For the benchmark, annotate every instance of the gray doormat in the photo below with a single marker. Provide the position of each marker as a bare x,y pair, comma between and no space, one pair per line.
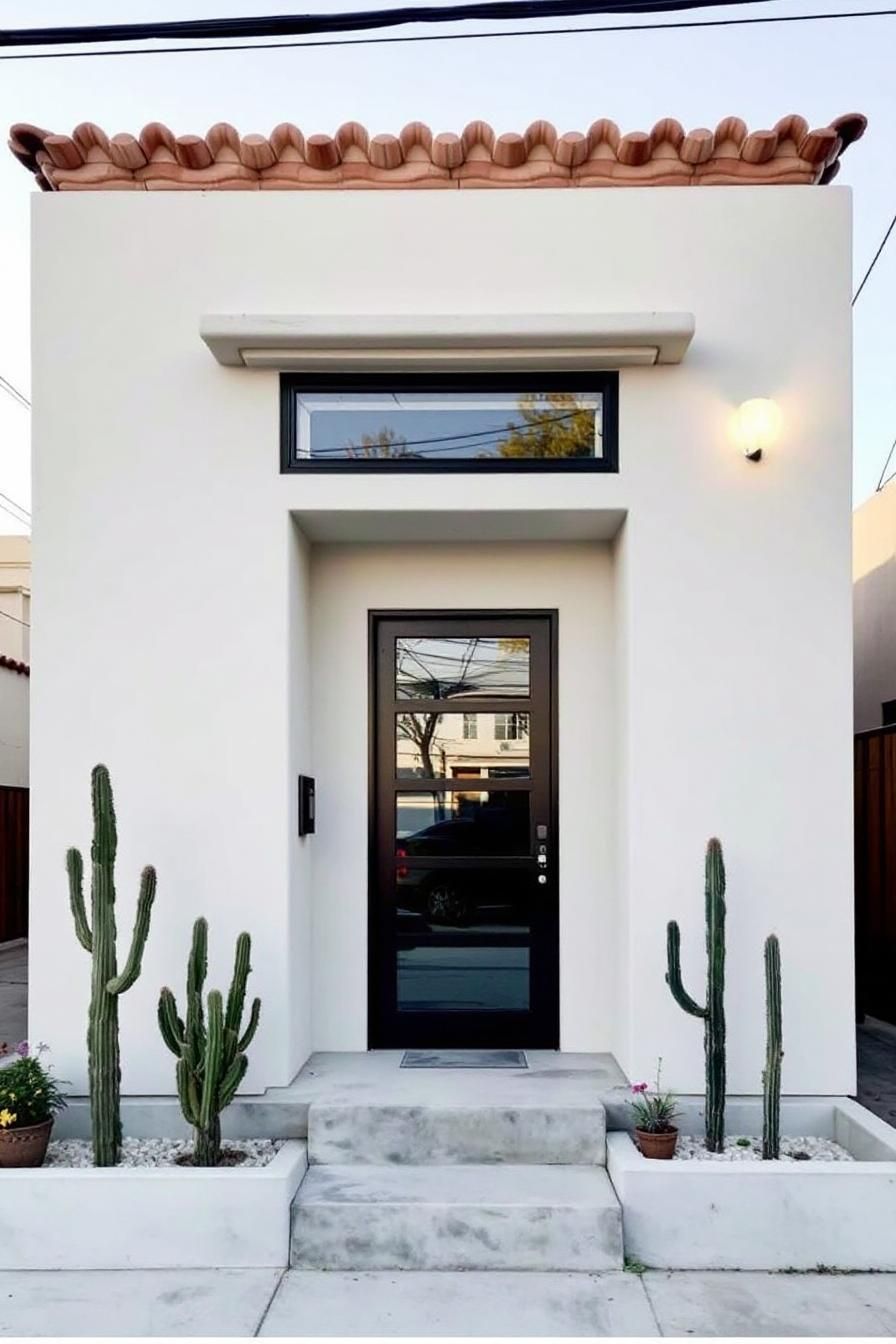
464,1059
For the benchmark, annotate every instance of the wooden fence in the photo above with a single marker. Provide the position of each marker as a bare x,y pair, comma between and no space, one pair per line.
875,867
13,863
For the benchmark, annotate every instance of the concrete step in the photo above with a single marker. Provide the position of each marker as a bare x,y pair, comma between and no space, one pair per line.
456,1217
382,1134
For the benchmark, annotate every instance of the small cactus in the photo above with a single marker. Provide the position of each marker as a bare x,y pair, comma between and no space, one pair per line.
98,937
771,1076
209,1046
713,1013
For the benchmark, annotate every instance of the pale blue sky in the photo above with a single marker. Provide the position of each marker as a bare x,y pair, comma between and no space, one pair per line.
698,76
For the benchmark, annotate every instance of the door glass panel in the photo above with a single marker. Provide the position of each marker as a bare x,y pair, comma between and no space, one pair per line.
453,668
460,746
462,823
467,901
463,939
440,979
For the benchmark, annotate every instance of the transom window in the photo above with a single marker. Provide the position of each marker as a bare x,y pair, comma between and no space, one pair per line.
469,422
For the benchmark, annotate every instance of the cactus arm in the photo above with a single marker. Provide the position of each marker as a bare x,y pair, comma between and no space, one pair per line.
214,1050
231,1081
237,995
75,866
186,1091
673,974
122,982
247,1036
170,1025
197,966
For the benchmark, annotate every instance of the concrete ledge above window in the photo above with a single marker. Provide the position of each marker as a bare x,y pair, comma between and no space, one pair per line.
447,343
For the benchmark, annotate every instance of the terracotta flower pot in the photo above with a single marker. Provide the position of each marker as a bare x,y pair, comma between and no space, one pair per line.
25,1147
657,1145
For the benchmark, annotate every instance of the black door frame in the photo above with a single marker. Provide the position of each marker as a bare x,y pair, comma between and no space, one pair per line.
542,1031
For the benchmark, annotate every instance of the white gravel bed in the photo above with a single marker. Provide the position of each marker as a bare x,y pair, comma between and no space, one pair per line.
158,1152
746,1148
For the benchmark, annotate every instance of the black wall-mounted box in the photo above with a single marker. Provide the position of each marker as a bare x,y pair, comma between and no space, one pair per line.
306,805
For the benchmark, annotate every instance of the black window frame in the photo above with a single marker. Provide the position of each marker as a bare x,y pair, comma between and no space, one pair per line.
604,381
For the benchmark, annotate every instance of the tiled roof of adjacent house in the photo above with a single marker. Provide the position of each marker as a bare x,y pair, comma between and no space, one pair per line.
14,666
157,159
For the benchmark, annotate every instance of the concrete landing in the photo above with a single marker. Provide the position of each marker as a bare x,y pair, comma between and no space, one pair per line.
457,1217
553,1079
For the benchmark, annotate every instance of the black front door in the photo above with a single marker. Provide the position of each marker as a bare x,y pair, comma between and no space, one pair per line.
463,899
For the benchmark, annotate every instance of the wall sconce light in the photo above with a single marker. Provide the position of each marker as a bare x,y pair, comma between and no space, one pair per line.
756,425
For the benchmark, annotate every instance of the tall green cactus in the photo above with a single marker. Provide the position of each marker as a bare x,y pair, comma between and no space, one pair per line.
774,1052
98,937
713,1013
211,1060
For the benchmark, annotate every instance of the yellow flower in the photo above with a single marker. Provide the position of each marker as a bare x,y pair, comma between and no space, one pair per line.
6,1118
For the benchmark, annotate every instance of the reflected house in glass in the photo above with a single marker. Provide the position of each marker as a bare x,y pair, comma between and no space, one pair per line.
438,426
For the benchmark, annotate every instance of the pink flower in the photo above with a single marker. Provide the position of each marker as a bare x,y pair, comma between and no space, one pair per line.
639,1087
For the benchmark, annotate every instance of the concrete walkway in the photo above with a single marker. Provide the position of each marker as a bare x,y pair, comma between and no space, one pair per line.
13,991
164,1303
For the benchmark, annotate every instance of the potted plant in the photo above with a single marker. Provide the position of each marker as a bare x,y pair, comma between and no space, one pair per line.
654,1113
29,1100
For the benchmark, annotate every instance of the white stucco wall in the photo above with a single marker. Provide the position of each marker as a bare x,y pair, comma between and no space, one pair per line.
874,606
189,607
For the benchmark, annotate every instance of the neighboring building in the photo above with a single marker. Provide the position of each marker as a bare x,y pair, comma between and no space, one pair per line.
15,653
874,609
15,598
309,462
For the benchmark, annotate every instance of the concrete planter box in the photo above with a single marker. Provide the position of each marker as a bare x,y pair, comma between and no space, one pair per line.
764,1215
149,1218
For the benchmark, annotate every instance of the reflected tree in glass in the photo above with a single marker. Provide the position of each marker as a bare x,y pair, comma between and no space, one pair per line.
555,425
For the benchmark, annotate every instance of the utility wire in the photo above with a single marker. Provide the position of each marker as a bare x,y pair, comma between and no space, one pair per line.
25,522
884,479
287,25
27,624
20,507
15,393
874,260
450,37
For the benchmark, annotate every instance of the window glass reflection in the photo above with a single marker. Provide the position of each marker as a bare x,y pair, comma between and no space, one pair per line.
462,823
451,668
447,426
461,746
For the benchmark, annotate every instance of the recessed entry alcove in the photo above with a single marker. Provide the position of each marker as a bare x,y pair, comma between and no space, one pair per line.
462,871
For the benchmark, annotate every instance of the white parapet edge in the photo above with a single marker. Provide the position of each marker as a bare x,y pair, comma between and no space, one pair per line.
150,1218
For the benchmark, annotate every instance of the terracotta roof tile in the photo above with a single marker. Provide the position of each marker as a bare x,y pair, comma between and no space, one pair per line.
288,160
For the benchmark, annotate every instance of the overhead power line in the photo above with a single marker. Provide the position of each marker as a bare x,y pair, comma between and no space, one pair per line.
15,393
290,25
15,516
20,507
884,478
874,260
27,624
684,25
